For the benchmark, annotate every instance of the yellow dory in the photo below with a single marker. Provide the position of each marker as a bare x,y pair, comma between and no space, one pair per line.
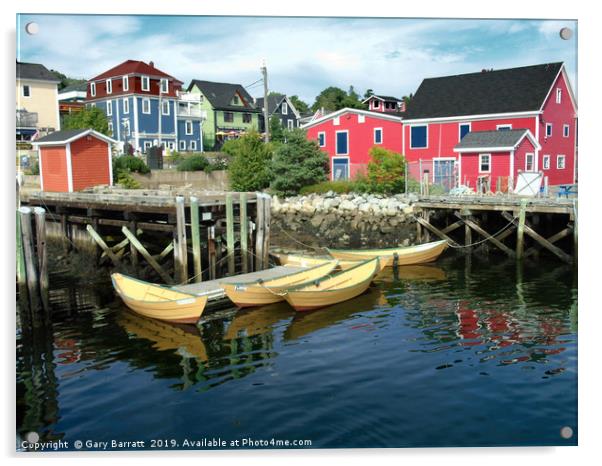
260,293
418,254
158,302
296,260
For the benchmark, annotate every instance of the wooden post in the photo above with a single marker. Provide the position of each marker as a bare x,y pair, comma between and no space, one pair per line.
575,239
520,232
467,237
196,239
66,233
244,232
142,250
30,259
267,215
21,272
133,251
427,217
260,233
211,252
181,265
230,233
40,218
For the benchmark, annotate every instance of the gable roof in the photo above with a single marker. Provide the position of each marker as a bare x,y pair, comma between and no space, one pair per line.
494,140
35,71
69,135
274,101
134,67
78,87
394,116
220,95
383,97
489,92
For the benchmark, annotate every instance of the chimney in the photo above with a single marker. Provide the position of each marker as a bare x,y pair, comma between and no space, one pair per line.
151,64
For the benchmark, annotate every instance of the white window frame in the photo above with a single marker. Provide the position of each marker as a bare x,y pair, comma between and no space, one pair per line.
23,91
147,145
336,121
110,126
346,157
481,156
192,144
164,88
284,108
560,157
186,123
376,103
361,118
558,95
171,145
381,135
145,79
532,156
125,80
505,125
182,144
290,124
551,126
545,162
93,89
566,131
146,100
427,137
163,107
469,124
336,143
109,107
109,86
126,106
126,127
323,134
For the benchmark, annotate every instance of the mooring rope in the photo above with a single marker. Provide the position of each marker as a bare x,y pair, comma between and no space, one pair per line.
299,242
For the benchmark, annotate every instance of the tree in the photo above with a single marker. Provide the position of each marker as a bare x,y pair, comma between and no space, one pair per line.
301,106
298,163
276,130
368,93
386,171
334,98
66,80
407,98
89,117
251,162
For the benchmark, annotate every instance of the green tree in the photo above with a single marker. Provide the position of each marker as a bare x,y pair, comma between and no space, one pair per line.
368,93
334,98
250,168
301,106
298,163
386,171
408,98
66,80
89,117
276,130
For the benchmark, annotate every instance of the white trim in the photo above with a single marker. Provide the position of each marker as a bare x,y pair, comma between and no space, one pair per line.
575,153
23,86
356,111
163,102
109,85
118,120
192,144
558,158
125,83
346,157
551,126
58,112
511,175
437,159
93,89
292,107
480,163
126,105
460,124
361,119
136,137
427,136
109,106
566,131
487,116
69,167
526,134
543,161
503,125
161,82
562,72
558,95
324,134
537,149
382,135
144,78
284,108
186,127
41,170
336,143
532,154
290,123
459,169
110,165
146,99
182,142
87,132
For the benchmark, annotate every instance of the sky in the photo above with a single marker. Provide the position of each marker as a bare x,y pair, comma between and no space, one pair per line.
391,56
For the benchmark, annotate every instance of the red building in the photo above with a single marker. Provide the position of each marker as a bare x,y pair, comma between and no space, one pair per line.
535,98
384,103
73,160
347,135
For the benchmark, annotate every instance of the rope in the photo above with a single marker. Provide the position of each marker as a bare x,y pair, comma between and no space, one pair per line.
297,241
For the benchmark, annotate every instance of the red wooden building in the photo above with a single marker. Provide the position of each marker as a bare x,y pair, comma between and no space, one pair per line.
73,160
347,135
535,98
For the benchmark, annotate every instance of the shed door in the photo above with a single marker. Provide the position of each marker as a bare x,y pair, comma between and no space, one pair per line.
340,168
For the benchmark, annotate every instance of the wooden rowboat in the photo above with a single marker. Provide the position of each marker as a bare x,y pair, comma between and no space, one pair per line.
418,254
295,260
335,289
260,293
157,301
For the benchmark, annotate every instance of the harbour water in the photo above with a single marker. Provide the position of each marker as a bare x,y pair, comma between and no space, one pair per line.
468,352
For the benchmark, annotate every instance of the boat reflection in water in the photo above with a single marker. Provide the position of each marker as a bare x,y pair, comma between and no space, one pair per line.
412,273
258,320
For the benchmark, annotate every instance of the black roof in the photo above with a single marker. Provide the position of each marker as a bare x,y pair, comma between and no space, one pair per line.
35,71
273,101
485,139
81,87
220,95
61,136
502,91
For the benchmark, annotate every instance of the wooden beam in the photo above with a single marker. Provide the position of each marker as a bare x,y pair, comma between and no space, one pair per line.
230,233
106,249
436,231
244,232
142,250
211,252
195,231
165,252
486,235
552,239
452,227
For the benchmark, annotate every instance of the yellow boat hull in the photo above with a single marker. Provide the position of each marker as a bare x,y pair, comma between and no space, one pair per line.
251,294
338,288
420,254
158,302
309,261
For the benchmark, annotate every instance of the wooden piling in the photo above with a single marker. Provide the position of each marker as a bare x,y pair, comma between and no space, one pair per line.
31,267
21,272
230,233
244,232
267,216
575,222
40,219
520,232
196,239
259,265
211,252
181,258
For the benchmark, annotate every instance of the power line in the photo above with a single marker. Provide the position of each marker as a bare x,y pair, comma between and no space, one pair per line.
253,83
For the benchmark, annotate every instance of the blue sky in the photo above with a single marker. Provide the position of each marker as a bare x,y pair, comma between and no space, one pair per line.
304,55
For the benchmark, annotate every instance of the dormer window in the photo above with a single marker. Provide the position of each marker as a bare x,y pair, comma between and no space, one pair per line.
93,89
235,100
145,83
284,108
164,86
109,86
376,103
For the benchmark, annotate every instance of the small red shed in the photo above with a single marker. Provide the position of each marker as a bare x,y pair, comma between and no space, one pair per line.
73,160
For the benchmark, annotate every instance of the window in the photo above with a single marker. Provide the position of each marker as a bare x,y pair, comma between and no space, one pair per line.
126,106
182,145
171,145
376,103
529,162
126,127
290,123
548,130
192,145
146,106
109,86
284,108
378,135
361,118
188,127
336,121
126,83
322,139
560,162
340,168
558,95
246,118
109,107
546,162
26,91
93,89
418,137
145,83
566,130
147,145
485,163
228,117
506,127
164,86
110,125
165,107
235,100
342,143
464,130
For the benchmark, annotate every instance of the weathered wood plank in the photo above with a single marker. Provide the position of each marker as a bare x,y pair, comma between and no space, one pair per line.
31,266
452,227
195,231
436,231
106,249
181,262
40,219
267,218
552,239
259,265
142,250
244,233
486,235
230,233
520,232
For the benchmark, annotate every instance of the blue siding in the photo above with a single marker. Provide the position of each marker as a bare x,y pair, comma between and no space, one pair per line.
187,138
149,122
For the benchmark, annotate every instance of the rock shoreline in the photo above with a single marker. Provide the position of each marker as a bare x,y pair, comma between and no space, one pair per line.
343,221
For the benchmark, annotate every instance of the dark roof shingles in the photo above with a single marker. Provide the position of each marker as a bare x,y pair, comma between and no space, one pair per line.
61,136
35,71
220,95
491,139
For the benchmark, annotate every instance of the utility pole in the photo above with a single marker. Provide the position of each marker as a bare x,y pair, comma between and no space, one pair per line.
264,72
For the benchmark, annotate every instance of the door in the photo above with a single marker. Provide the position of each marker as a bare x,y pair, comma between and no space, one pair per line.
340,169
444,173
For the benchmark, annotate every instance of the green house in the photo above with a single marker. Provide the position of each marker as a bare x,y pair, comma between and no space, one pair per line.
230,111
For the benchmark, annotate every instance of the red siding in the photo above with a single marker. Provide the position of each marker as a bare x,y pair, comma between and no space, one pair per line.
54,169
89,162
520,156
360,140
134,86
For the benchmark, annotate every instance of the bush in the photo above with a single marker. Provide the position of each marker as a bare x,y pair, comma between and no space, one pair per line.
386,171
194,163
339,187
126,180
297,163
129,163
250,165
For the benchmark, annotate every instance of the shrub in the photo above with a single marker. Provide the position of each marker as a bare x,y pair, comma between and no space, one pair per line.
297,163
89,117
250,165
194,163
126,180
386,171
123,167
339,187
